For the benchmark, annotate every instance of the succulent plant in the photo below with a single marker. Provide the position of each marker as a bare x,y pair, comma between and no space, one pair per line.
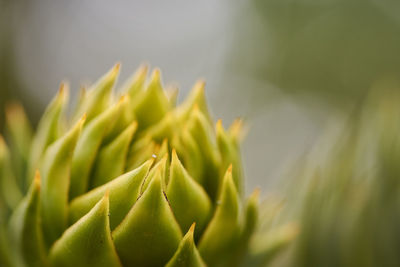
129,180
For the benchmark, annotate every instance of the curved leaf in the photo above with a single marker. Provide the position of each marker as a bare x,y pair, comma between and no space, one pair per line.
88,242
149,235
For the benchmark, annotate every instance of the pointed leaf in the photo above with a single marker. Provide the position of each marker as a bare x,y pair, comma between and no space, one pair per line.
97,98
135,85
86,149
141,150
47,131
187,198
123,190
25,228
188,150
196,98
203,133
111,159
247,230
55,183
19,133
153,104
160,167
187,254
149,235
230,154
9,189
88,242
221,233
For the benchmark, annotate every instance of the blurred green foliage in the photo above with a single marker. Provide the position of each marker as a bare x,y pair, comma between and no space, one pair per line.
349,198
336,49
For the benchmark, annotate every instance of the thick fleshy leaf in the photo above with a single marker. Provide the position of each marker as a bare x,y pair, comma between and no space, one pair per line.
5,248
153,104
187,254
10,192
55,183
230,154
149,235
88,242
164,129
140,151
135,85
123,120
25,229
188,200
161,166
123,190
251,215
188,150
97,98
203,133
87,148
196,98
221,234
19,135
111,159
48,130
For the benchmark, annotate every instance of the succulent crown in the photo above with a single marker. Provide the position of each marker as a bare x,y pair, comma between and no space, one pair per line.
128,180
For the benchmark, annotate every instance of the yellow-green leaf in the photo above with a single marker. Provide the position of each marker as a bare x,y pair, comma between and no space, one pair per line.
221,234
149,235
88,242
55,183
153,104
97,98
10,191
25,229
48,130
87,147
187,254
111,159
187,198
123,190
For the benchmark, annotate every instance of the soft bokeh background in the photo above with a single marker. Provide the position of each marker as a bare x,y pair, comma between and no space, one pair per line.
288,67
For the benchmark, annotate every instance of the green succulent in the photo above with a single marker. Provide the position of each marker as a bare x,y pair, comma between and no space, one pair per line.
127,180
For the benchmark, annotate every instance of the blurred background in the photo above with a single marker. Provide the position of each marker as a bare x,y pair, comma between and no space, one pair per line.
287,66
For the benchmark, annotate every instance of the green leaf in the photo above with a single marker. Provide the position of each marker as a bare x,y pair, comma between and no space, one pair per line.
188,150
248,228
88,242
55,183
188,200
87,148
140,151
19,134
161,167
187,254
221,234
153,104
149,235
135,85
97,98
25,228
196,98
10,192
123,190
48,130
203,133
111,159
230,154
